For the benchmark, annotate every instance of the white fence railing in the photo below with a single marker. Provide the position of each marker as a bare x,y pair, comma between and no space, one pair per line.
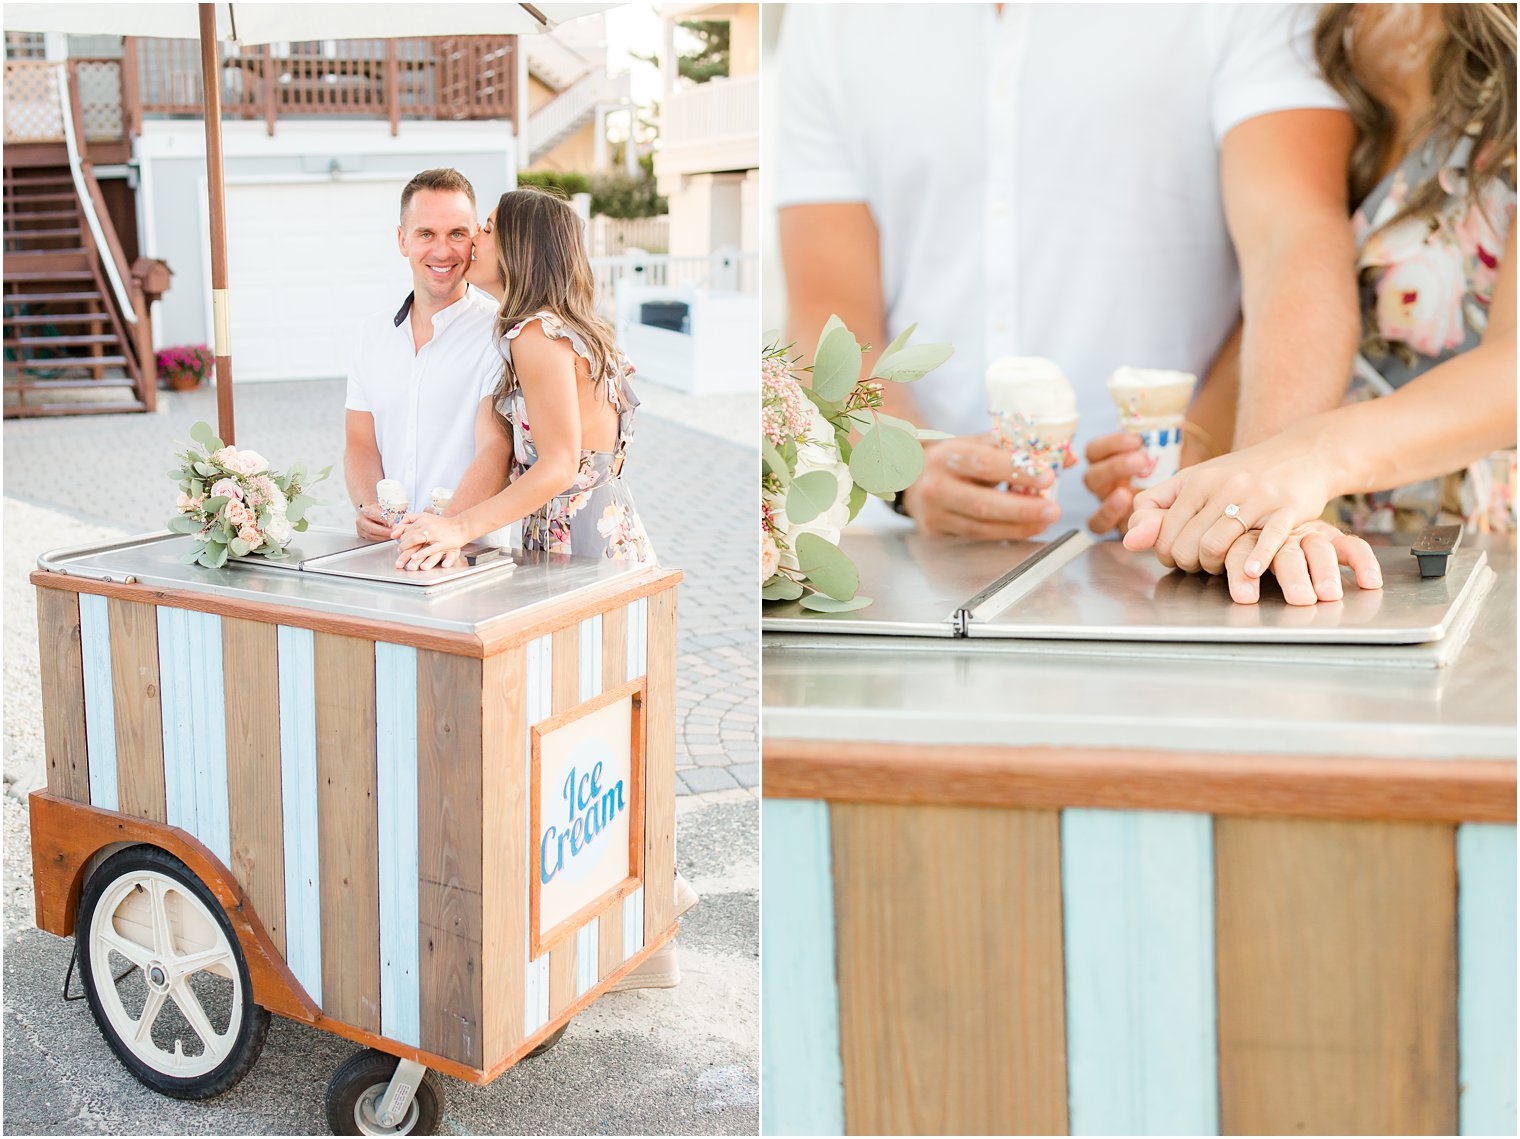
613,236
567,110
712,126
725,269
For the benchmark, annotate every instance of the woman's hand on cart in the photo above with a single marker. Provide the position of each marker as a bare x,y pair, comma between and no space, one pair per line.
428,541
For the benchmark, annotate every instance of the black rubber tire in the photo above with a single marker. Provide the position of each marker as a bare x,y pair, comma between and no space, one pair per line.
365,1070
549,1042
250,1039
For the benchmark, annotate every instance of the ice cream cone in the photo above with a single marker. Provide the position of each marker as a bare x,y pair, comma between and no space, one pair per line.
1034,412
1036,444
390,496
1152,403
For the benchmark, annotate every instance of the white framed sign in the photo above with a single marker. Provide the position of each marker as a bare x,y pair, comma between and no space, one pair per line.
587,804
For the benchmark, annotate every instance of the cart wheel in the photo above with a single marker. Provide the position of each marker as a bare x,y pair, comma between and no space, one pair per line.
165,976
353,1098
549,1042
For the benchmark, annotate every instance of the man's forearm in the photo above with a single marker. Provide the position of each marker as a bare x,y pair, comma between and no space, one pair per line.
485,476
361,471
1301,330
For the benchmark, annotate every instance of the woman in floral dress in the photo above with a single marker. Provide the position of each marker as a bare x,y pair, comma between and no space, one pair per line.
1428,432
564,405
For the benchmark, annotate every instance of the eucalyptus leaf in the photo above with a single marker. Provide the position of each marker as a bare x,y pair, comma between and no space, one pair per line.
774,462
892,349
928,436
831,409
886,460
300,527
780,588
299,507
913,363
239,548
836,368
322,474
219,559
203,434
828,326
205,470
858,498
193,556
826,568
179,475
181,524
197,488
212,505
811,494
822,603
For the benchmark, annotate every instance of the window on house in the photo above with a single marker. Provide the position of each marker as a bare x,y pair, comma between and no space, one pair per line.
24,45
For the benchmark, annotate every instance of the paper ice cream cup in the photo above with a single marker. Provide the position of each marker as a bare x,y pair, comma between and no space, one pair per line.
1035,444
441,497
390,496
1161,440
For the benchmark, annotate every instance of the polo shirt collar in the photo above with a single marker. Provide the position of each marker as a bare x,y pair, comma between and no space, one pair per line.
441,319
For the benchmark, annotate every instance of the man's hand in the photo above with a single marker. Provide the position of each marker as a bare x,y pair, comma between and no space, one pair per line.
957,493
1112,460
371,524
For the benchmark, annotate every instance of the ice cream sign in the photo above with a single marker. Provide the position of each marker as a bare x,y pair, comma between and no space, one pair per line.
587,812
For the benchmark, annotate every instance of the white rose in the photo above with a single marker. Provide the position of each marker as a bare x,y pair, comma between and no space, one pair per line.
279,529
770,558
252,463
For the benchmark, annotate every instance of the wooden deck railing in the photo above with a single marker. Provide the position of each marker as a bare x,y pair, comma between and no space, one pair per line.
461,77
31,100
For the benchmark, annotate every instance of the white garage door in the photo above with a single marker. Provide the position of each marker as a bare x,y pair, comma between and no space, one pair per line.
306,261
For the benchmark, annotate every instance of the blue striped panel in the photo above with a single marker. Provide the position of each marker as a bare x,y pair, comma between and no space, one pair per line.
638,629
633,923
1486,977
298,794
195,727
1138,898
585,957
802,1079
538,705
396,805
99,703
591,657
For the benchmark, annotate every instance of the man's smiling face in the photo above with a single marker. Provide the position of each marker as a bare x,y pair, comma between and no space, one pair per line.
435,238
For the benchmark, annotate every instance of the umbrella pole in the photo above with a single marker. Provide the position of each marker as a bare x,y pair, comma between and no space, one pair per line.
211,83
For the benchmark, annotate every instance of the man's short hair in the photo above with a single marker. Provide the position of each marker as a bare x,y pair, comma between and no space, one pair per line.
445,178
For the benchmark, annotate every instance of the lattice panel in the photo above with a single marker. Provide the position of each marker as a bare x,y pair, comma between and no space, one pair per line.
100,98
32,113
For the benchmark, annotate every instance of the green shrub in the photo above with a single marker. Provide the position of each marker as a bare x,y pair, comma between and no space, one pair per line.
564,183
619,196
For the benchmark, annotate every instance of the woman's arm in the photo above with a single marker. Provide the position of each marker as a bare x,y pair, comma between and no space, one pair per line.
1439,422
546,369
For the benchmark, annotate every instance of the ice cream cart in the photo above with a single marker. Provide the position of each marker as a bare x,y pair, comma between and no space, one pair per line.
432,812
1058,842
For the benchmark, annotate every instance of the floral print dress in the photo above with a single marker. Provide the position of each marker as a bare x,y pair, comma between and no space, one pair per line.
1426,284
595,514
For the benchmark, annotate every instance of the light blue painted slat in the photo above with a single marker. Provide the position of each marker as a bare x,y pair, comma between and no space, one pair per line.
802,1079
396,806
538,702
99,703
177,704
638,626
596,655
209,731
633,923
1138,896
1486,977
585,958
298,794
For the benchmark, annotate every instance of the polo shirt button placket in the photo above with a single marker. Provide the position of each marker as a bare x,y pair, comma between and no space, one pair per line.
1001,281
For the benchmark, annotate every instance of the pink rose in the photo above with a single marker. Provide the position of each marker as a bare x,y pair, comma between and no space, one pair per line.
238,514
250,534
770,557
1419,299
182,503
227,488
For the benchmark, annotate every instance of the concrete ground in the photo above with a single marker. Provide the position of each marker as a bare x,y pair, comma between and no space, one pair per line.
678,1061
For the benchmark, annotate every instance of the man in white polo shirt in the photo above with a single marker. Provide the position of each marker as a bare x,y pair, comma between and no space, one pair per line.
420,373
1096,184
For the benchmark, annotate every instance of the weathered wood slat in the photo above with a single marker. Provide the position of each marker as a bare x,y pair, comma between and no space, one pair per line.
951,1001
255,807
449,838
660,766
539,705
139,710
1337,977
347,823
61,665
504,873
565,688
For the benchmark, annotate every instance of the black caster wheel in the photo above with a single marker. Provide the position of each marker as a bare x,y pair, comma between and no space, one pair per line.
549,1042
353,1098
165,976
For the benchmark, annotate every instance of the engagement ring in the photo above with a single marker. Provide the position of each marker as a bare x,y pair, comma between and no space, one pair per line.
1233,511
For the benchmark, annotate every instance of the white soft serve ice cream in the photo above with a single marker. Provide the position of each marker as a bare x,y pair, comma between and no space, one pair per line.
1030,386
1149,393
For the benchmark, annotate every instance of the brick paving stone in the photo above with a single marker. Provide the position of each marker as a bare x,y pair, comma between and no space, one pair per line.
748,774
695,493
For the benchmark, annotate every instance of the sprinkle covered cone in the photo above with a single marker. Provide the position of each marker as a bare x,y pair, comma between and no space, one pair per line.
1034,412
1036,444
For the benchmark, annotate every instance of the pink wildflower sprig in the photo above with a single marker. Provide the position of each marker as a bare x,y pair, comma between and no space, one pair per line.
784,412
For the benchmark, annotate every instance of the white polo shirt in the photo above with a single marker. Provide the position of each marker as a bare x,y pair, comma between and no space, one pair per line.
1045,182
424,403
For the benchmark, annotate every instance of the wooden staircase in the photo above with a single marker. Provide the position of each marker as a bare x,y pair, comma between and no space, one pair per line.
69,347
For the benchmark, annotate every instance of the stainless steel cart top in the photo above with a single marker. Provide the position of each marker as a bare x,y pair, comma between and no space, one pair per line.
505,587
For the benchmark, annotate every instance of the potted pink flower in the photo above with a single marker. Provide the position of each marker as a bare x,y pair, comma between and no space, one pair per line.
185,367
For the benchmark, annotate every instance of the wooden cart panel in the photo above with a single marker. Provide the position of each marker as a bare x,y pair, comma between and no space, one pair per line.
371,798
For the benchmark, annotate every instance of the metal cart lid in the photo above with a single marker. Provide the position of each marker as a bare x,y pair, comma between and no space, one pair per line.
1076,589
453,602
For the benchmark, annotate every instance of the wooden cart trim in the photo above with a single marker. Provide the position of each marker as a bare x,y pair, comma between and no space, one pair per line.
494,636
67,835
1327,787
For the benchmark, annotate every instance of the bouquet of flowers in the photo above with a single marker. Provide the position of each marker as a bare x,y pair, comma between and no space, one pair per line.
234,504
815,479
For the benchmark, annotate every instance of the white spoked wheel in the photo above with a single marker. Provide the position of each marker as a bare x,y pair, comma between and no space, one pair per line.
165,976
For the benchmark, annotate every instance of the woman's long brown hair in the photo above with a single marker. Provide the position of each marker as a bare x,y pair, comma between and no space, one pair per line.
1472,86
543,259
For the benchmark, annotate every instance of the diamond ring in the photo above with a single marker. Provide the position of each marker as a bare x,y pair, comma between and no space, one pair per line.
1233,511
